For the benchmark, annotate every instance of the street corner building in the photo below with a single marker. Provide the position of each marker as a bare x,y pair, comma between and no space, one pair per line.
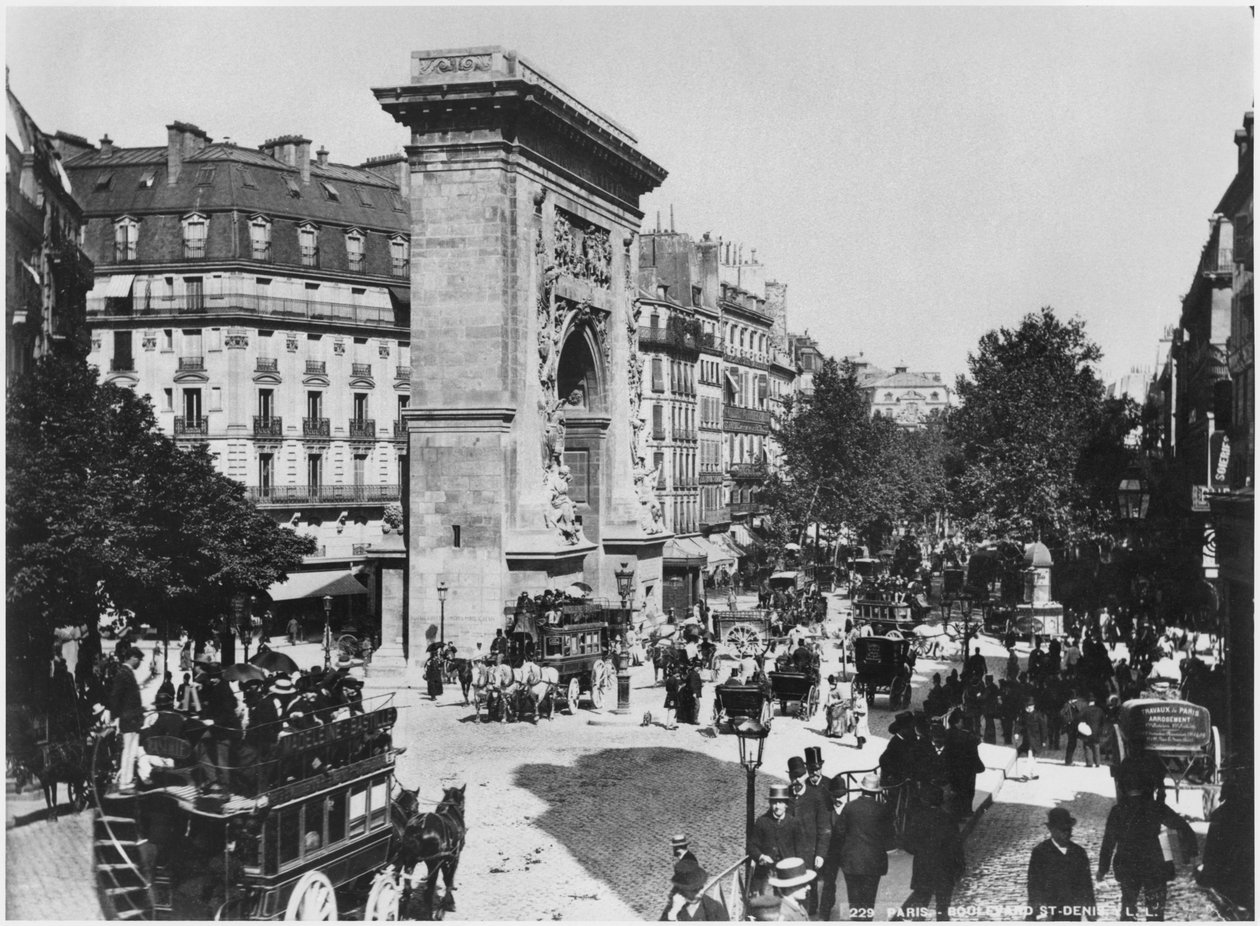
527,467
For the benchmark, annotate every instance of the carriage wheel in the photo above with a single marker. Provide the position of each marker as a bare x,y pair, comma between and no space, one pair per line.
313,899
382,902
597,685
811,702
575,689
745,640
1212,794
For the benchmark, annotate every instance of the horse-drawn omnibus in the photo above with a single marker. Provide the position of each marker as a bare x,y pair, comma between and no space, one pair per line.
312,826
579,649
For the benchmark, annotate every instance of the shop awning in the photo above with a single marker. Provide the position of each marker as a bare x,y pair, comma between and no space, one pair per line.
683,552
727,541
401,294
316,585
746,537
119,286
717,553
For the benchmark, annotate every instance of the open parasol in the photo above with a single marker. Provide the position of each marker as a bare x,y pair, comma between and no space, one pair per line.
243,671
270,661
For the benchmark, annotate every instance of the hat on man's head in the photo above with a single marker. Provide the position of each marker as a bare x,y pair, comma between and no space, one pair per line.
1059,818
764,908
163,699
870,783
779,793
688,875
796,767
791,872
813,758
680,841
938,735
352,681
281,685
838,788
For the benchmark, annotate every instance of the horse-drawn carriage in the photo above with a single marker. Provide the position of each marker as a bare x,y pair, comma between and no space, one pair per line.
884,614
746,632
580,656
312,826
800,688
883,667
733,703
1172,741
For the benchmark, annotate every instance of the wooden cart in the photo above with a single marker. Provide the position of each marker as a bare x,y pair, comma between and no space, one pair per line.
1178,738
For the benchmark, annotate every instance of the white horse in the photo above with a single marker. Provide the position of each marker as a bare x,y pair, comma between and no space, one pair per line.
483,687
541,682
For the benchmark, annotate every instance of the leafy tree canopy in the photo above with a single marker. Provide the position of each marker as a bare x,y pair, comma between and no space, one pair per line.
1040,444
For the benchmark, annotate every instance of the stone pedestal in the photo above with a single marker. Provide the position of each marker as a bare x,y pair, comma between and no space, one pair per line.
526,467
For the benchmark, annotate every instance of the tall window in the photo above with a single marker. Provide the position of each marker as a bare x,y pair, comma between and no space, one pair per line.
126,234
123,360
658,375
314,470
403,401
266,404
308,245
314,404
194,236
192,407
354,249
260,238
400,256
194,294
266,473
360,468
360,406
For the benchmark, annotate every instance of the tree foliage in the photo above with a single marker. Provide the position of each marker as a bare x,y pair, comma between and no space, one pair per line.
103,509
1040,444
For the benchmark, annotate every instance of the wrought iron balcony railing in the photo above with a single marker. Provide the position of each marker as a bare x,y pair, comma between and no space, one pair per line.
322,494
752,417
745,507
400,430
400,268
191,427
122,365
268,426
402,371
254,303
192,364
361,369
363,429
316,368
267,365
315,427
748,470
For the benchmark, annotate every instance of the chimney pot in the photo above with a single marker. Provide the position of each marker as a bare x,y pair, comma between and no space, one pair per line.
322,156
107,146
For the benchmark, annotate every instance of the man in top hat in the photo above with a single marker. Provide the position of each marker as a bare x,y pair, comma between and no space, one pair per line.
1059,883
962,764
790,880
814,776
680,845
865,831
686,903
776,835
896,764
811,805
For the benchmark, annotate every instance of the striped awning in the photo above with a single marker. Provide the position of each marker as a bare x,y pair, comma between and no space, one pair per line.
684,552
718,553
333,582
119,286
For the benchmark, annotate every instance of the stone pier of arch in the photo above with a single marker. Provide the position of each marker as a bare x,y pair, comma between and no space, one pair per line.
526,462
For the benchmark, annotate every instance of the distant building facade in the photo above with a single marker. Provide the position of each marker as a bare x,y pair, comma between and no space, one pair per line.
47,275
906,397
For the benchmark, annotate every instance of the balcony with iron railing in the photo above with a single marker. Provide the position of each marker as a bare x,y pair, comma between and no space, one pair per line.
686,434
748,470
363,429
676,337
316,368
122,365
267,365
192,364
400,268
315,427
124,253
711,343
194,250
191,427
355,263
711,516
310,256
658,433
250,304
402,371
710,477
361,369
400,430
268,426
746,357
745,507
748,417
323,494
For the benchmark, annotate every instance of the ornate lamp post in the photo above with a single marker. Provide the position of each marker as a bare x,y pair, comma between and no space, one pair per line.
327,631
625,588
442,589
1133,496
241,619
752,743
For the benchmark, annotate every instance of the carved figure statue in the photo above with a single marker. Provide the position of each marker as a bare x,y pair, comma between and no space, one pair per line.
650,517
559,514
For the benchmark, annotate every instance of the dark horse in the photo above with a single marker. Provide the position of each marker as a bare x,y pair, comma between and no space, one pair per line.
463,670
428,844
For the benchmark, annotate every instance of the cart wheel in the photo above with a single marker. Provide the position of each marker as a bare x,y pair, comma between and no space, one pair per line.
745,640
382,902
313,899
811,702
575,689
597,691
348,645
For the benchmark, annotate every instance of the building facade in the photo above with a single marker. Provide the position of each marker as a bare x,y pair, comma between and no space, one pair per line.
260,298
906,397
47,275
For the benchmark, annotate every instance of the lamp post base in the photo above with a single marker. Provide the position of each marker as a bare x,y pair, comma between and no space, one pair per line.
623,693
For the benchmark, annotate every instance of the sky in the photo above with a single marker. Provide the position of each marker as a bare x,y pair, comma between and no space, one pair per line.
917,176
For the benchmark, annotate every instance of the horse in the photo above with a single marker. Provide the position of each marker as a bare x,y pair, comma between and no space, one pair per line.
484,689
62,763
504,684
664,656
429,845
536,683
463,670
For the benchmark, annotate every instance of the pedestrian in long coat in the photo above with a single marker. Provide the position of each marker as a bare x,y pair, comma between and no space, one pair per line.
1030,728
433,672
896,764
938,855
776,835
686,904
1059,885
1132,836
866,834
128,710
963,764
830,870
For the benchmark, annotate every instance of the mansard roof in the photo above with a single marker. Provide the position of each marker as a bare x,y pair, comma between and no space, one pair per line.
909,381
270,195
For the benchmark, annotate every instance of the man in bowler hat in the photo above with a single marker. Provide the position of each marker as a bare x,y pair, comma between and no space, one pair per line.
866,834
1059,884
686,903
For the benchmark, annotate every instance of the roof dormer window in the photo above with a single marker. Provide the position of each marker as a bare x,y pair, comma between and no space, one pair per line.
147,178
308,245
205,176
247,177
330,191
195,225
104,182
354,250
294,190
364,198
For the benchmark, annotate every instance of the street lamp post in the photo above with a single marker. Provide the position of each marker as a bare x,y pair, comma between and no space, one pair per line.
327,631
625,587
752,743
242,623
442,589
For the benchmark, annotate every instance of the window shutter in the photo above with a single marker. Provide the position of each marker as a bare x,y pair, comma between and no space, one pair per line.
658,375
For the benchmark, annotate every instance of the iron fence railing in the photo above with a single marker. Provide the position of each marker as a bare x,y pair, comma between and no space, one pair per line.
322,494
